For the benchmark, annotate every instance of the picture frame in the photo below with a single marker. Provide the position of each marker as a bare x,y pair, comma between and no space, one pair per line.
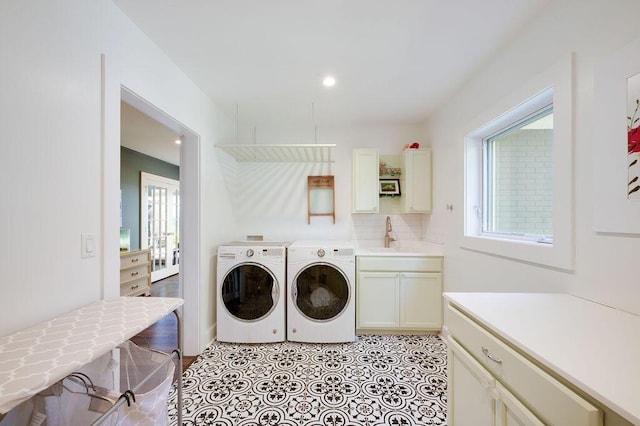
614,210
389,187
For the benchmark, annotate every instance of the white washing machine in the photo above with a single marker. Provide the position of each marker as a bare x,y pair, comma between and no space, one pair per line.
321,303
251,289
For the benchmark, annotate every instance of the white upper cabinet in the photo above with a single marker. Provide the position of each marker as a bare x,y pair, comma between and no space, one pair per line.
365,181
417,181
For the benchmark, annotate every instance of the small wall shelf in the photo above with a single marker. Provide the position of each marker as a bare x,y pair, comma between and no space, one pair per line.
321,197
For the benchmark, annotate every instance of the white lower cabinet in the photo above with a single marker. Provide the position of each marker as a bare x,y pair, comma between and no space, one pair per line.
378,303
476,398
393,295
420,300
511,412
489,383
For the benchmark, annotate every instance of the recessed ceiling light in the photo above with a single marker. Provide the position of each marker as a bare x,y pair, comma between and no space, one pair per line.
329,81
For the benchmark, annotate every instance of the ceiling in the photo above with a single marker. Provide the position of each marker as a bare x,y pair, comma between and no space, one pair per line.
142,133
394,61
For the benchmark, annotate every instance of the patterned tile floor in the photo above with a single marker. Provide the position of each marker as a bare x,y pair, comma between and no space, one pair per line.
377,380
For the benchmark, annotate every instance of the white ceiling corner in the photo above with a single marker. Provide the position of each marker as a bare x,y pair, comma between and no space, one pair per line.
394,61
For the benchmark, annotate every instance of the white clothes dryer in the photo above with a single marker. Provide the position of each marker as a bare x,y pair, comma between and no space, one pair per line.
250,296
321,292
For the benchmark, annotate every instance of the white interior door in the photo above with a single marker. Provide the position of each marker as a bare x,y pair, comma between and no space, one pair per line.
159,223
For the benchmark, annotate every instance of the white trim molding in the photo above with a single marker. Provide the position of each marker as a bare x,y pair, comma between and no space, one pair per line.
556,83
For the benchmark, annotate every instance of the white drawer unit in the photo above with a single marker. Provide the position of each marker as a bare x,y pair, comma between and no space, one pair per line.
512,386
541,358
399,294
479,398
135,273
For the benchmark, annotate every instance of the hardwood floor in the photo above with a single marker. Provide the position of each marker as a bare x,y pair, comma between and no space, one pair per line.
162,335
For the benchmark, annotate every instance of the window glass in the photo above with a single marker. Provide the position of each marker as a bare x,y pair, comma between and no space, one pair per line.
518,179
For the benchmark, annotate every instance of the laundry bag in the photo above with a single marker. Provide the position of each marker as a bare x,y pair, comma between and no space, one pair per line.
150,407
73,401
78,401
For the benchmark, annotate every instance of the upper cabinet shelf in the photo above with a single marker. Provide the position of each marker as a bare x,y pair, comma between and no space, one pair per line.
290,153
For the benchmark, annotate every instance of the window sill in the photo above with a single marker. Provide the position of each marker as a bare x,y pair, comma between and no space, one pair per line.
554,255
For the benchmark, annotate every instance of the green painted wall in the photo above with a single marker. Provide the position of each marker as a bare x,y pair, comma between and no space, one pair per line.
131,164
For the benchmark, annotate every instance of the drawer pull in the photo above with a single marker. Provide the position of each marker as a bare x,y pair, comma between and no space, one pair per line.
133,287
133,274
486,353
134,260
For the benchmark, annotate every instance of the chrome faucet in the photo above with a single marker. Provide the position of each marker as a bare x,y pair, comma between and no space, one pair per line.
387,238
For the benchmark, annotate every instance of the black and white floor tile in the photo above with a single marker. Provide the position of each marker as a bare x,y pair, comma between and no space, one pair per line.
375,381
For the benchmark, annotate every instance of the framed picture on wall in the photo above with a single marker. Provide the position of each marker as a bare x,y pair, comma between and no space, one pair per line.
633,136
389,187
616,142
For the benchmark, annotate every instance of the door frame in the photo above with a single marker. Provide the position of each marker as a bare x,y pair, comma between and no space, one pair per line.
113,92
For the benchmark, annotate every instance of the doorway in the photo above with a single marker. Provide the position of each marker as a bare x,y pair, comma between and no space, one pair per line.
150,189
114,93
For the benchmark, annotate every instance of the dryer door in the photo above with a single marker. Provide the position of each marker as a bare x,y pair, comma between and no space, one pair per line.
321,292
249,292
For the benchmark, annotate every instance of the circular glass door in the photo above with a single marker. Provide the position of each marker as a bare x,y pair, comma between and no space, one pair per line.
321,292
249,292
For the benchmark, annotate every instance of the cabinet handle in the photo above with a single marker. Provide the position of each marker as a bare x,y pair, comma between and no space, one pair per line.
133,274
133,287
134,260
486,353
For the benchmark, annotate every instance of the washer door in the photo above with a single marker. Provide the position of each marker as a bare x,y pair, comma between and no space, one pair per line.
321,292
249,292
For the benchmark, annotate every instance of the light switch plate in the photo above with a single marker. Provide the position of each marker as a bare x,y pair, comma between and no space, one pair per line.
88,246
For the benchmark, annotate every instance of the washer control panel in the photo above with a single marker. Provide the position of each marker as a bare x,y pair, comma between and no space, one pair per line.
231,252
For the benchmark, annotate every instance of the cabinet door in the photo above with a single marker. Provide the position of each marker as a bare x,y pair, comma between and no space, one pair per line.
470,391
421,300
377,300
365,181
511,412
417,190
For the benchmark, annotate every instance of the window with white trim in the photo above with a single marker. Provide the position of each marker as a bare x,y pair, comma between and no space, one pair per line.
542,232
517,184
510,174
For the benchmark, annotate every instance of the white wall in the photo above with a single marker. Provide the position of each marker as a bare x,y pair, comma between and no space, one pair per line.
605,265
270,198
50,103
61,180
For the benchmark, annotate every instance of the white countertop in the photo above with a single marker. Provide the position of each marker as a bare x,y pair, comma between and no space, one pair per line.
35,358
592,346
416,248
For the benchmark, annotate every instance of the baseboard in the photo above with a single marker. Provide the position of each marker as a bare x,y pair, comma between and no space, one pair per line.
396,332
212,334
444,333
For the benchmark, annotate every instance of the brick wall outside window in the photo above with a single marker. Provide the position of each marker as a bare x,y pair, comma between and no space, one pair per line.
524,182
